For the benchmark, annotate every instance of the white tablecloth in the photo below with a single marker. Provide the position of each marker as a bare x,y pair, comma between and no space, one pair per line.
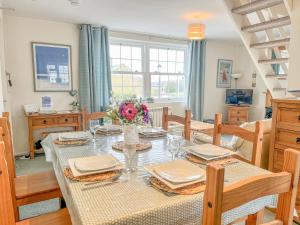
134,202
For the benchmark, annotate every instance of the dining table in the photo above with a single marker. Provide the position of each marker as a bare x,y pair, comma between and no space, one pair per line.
133,200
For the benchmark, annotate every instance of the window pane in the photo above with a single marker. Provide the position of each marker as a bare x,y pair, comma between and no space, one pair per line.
138,91
179,68
163,55
180,56
127,92
155,80
117,80
163,67
171,67
155,92
127,80
154,67
125,52
137,80
136,66
181,85
125,65
115,51
172,55
163,86
115,65
117,91
172,86
153,54
136,53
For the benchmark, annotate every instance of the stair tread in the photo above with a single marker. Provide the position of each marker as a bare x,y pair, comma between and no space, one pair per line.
273,61
276,75
271,44
283,21
279,89
255,6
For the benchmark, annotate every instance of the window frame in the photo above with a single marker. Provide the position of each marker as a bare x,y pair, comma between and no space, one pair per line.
145,47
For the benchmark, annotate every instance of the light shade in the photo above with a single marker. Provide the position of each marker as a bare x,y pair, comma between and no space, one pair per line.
236,75
196,31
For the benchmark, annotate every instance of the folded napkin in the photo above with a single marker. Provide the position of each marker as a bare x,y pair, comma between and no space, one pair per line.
70,136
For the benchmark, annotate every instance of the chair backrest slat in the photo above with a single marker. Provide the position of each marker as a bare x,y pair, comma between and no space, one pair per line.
7,216
86,117
255,137
218,199
255,187
186,121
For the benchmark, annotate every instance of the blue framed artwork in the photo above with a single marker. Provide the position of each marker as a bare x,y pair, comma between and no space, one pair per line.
224,73
52,67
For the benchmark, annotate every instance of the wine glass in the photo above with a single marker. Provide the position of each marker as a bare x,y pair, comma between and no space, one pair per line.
171,146
94,124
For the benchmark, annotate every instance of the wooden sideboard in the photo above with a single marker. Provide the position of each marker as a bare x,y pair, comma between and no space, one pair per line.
285,134
42,121
237,114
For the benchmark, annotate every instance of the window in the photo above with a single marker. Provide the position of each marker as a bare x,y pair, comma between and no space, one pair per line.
147,70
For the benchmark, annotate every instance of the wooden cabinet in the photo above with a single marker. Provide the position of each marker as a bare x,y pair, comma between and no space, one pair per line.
41,121
285,134
238,114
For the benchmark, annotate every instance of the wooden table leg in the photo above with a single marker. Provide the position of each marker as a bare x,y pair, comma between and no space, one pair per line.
30,139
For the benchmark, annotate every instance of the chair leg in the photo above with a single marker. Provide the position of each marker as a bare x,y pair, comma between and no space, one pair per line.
256,219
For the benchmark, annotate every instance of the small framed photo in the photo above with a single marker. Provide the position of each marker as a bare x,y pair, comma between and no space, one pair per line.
52,67
224,73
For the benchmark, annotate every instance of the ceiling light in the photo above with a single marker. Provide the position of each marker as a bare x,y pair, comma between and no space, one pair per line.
196,31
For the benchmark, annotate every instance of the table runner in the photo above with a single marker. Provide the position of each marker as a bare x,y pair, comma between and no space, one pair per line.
134,202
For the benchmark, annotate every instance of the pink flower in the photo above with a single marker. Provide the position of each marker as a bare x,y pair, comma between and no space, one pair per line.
145,108
129,111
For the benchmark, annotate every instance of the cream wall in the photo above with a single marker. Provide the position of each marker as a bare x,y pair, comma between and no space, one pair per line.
19,33
2,63
214,98
294,49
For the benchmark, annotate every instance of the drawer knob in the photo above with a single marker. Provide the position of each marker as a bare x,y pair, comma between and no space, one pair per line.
238,112
298,140
238,119
299,117
66,120
44,121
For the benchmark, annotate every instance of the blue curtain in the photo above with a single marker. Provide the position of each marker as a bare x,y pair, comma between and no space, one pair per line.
94,68
196,75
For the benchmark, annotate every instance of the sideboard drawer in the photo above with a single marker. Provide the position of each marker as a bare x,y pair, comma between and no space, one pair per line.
43,122
288,138
66,120
238,113
238,119
289,116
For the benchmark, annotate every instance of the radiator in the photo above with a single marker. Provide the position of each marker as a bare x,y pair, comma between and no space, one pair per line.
156,116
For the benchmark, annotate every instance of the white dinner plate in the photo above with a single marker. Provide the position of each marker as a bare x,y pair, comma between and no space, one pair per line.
111,127
177,173
207,150
95,163
80,135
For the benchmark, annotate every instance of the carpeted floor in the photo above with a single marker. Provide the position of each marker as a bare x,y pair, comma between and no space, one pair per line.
39,164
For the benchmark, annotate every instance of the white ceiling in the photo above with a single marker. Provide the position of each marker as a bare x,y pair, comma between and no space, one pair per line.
160,17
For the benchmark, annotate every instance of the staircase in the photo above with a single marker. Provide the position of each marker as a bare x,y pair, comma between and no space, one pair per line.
264,27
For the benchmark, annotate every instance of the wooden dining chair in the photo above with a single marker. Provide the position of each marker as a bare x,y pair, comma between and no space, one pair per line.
86,116
219,199
31,188
186,121
255,137
7,215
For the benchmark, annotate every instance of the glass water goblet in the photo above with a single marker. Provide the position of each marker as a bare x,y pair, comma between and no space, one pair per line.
94,124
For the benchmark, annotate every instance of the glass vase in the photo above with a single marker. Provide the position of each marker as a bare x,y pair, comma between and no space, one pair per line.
131,139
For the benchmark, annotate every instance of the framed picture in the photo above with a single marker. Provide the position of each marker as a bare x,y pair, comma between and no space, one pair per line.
224,73
52,67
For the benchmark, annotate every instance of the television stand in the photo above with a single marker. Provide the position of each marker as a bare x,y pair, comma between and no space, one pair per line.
237,114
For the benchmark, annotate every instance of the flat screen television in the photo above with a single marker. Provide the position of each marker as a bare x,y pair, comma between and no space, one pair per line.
239,96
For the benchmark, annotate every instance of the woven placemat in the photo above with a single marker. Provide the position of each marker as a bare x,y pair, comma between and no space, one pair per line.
187,190
139,147
223,161
75,142
93,177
